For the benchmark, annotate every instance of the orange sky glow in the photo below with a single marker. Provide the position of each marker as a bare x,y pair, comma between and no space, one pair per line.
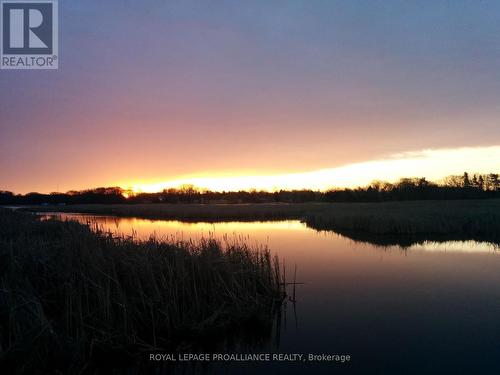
433,164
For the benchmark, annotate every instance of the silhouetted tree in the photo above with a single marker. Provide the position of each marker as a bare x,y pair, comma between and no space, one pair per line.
415,188
466,181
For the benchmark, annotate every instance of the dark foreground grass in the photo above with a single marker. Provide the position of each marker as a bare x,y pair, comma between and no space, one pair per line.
381,223
69,295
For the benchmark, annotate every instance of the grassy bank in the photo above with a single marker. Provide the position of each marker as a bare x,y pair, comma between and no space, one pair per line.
405,223
388,222
194,212
68,294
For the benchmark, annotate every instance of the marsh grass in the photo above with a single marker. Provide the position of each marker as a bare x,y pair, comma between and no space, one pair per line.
192,212
70,294
406,223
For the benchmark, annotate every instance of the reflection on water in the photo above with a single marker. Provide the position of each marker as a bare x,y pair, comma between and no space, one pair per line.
259,232
426,308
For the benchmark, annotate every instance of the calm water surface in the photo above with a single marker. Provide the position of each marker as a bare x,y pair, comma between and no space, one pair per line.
428,308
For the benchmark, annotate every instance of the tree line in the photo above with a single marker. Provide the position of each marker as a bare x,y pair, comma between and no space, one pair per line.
466,186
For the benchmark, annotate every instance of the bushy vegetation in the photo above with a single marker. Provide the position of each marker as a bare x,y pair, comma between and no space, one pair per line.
69,294
477,186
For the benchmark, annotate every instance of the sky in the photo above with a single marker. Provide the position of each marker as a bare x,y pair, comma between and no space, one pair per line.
258,94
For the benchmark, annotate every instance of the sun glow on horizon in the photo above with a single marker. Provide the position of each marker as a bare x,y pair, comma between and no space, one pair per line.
432,164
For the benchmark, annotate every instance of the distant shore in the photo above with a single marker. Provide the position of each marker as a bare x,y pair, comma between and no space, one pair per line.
451,219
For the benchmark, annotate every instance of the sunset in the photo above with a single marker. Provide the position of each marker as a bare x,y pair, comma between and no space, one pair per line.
241,187
434,164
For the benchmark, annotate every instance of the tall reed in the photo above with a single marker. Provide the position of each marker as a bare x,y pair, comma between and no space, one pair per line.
68,292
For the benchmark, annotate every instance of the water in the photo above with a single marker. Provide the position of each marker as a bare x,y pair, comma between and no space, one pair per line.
427,308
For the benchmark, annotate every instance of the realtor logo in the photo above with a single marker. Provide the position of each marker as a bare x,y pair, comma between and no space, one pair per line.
29,34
